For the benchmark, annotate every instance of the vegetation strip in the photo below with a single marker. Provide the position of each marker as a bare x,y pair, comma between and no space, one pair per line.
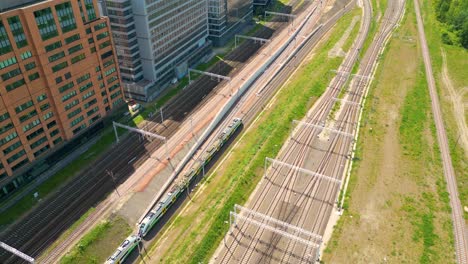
396,191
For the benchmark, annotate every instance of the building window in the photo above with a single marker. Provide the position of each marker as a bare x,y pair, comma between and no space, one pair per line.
26,55
90,103
100,26
58,140
59,66
35,133
27,116
75,49
56,56
45,106
20,164
53,46
6,128
88,94
46,23
8,138
66,17
78,58
90,9
8,150
58,80
68,96
68,75
23,107
11,74
41,97
38,142
17,31
51,124
48,115
74,113
30,66
8,62
72,38
76,121
31,125
102,35
86,87
71,104
83,78
54,133
11,87
16,156
104,44
4,117
66,87
92,111
33,76
5,45
42,150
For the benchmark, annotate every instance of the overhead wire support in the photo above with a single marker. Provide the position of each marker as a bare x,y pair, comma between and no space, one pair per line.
297,168
261,40
219,77
234,216
16,252
140,131
276,221
336,131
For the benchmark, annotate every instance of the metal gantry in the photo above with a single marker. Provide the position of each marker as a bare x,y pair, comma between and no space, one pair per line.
208,74
261,40
346,134
297,168
307,238
143,132
16,252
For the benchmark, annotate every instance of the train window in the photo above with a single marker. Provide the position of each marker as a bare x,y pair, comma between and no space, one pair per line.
125,243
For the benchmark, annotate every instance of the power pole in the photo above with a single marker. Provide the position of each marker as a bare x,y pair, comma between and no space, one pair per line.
111,175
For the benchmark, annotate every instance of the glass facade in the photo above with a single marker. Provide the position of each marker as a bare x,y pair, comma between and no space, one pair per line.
46,23
17,31
66,17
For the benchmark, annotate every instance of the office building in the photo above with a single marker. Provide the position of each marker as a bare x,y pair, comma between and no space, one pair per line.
228,17
156,41
59,77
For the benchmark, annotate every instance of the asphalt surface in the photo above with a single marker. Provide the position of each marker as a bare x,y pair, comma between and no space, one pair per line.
303,195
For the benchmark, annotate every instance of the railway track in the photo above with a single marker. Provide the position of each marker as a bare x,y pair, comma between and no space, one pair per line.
249,244
459,228
44,224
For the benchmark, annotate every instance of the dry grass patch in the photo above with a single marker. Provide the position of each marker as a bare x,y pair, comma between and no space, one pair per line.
396,208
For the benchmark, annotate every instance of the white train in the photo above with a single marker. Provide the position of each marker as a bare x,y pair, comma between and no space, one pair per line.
124,250
160,208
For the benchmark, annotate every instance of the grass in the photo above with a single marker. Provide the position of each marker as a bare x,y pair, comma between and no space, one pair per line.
203,223
457,65
99,243
396,205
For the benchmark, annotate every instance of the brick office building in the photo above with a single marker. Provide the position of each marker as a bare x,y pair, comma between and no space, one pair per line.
58,78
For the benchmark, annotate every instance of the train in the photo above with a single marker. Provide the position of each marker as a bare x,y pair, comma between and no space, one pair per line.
124,250
158,211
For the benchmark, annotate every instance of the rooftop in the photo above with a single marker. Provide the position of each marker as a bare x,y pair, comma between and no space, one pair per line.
7,5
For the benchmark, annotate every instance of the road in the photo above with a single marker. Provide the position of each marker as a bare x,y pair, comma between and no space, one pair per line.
461,243
302,186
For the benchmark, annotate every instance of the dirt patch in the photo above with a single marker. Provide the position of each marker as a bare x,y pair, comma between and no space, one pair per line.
458,104
337,50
